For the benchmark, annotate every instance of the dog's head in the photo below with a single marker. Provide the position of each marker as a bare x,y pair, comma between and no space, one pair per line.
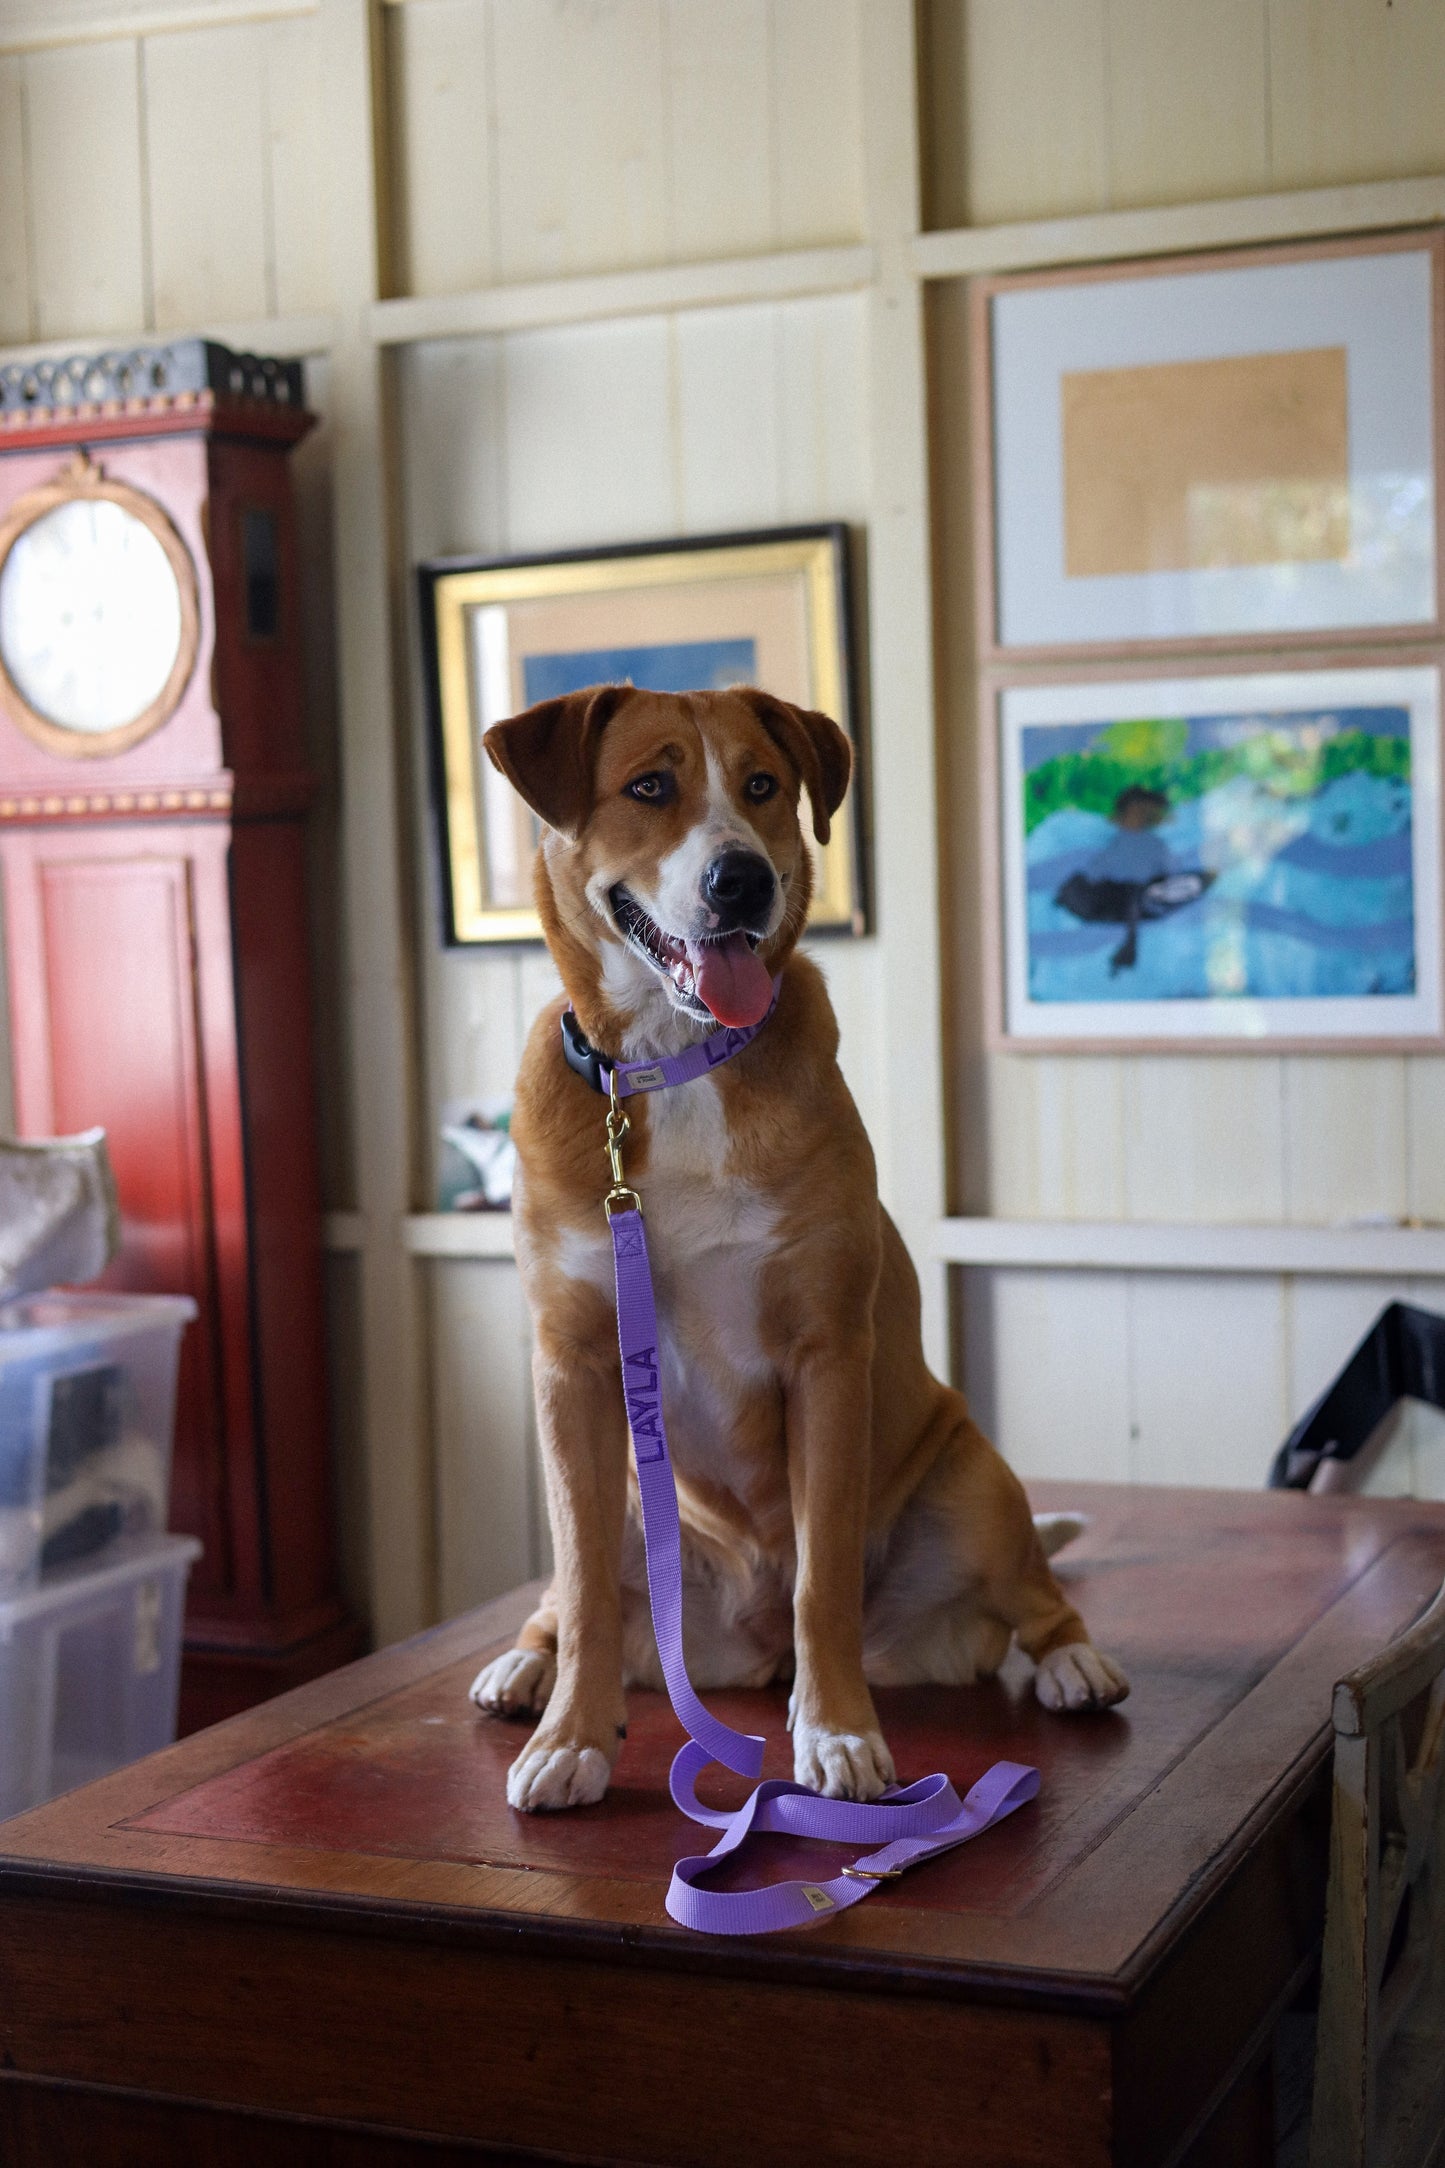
672,852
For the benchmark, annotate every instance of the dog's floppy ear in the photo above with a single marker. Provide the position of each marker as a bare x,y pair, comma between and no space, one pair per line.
815,745
548,753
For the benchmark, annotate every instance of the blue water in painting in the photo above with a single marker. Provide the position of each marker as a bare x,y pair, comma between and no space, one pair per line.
680,666
1313,896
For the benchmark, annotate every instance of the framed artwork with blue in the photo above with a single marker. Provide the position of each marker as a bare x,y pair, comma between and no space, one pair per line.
681,616
1241,861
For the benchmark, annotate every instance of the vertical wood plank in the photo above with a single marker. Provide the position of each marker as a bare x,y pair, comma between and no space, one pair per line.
394,1436
482,1413
822,429
909,1017
451,427
1207,1357
450,399
818,120
439,88
1205,1139
1061,1373
582,168
719,143
87,226
851,969
588,437
977,1179
1345,1130
1355,90
1018,91
15,320
1056,1137
311,474
1187,103
727,418
474,1039
206,157
300,172
1425,1135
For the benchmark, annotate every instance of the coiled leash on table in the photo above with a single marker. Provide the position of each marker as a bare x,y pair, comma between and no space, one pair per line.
912,1822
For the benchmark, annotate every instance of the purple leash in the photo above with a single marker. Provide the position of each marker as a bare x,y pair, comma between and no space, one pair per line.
910,1823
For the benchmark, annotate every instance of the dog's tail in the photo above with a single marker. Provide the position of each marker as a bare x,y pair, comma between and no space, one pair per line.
1057,1529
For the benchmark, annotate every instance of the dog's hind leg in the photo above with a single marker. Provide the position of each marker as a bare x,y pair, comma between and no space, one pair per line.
1069,1672
520,1682
966,1570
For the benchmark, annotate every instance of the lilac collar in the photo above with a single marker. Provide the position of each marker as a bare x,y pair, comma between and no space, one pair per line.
655,1073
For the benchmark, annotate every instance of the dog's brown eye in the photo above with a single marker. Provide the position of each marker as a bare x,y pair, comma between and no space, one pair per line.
656,789
761,786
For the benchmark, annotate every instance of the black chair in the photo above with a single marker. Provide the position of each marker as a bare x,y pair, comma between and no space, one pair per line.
1402,1356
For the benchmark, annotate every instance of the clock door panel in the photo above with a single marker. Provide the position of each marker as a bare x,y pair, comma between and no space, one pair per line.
105,953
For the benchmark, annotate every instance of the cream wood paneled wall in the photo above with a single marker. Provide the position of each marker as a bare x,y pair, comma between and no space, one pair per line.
163,183
1045,108
531,142
284,173
1042,108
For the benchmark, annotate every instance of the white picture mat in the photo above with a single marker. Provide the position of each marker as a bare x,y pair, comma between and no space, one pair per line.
1378,307
1417,1015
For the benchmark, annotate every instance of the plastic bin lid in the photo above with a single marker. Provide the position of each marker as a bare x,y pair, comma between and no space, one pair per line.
131,1558
41,1324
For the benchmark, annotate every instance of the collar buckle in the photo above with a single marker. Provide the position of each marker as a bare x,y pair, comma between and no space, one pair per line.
580,1055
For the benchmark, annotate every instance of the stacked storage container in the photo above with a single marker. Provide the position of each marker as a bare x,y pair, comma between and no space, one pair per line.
92,1589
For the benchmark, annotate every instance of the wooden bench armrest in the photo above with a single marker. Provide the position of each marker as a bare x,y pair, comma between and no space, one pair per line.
1379,1689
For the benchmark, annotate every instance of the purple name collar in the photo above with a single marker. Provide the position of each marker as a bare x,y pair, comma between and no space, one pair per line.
655,1073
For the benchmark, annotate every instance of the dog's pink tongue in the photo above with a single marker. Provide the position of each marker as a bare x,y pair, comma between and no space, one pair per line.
731,979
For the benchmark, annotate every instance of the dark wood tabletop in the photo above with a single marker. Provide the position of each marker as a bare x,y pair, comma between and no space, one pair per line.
324,1915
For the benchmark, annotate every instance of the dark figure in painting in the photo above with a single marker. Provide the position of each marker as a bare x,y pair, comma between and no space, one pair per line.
1133,877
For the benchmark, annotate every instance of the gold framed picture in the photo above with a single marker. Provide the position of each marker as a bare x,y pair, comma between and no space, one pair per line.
767,609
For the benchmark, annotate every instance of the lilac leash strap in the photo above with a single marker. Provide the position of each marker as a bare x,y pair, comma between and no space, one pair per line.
912,1823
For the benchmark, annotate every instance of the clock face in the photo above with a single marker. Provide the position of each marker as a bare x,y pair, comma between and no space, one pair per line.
91,616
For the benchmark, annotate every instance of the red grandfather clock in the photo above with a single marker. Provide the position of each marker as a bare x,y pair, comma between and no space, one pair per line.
153,795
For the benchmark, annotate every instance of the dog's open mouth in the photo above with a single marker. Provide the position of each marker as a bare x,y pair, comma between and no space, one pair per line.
722,977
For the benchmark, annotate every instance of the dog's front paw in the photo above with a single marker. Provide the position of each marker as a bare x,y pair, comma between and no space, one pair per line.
517,1684
1079,1676
841,1764
548,1776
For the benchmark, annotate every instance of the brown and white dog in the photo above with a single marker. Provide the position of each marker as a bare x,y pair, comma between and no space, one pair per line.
845,1522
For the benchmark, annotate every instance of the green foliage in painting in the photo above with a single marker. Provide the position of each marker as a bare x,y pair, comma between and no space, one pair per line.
1152,754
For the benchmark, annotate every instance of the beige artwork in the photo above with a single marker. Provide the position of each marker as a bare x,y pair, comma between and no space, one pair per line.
1194,465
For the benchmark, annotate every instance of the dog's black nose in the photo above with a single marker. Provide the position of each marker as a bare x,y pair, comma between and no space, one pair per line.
738,885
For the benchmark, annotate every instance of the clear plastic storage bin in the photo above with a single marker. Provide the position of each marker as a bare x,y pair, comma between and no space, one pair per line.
87,1408
90,1668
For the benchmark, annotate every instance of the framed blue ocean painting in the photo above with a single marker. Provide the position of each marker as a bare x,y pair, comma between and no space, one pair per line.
690,615
1221,860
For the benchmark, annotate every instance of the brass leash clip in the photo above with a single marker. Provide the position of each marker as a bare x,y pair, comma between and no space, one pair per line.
619,1198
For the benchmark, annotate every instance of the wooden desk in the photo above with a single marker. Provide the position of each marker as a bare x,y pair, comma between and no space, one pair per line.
324,1909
